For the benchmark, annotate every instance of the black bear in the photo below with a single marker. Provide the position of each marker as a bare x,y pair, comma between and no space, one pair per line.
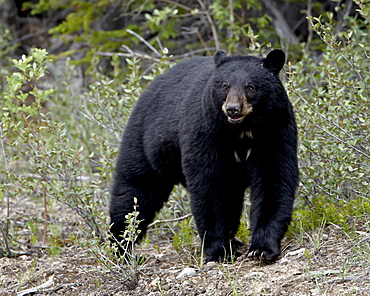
216,125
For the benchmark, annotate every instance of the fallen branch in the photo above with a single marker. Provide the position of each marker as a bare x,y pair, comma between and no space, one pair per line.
169,220
39,288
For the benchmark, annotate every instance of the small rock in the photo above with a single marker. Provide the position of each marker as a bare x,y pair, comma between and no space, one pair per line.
315,292
186,271
255,274
155,282
211,264
158,257
211,287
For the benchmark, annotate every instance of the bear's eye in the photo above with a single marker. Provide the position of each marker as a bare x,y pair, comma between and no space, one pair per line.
225,85
250,87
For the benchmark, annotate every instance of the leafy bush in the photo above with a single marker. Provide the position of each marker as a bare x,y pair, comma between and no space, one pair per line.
40,160
61,146
330,92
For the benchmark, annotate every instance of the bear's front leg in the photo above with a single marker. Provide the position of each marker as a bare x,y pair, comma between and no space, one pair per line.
216,183
217,204
217,216
274,178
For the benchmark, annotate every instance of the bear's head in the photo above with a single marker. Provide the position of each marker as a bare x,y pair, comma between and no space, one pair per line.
244,84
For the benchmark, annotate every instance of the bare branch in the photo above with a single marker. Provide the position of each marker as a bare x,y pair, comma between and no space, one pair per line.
132,54
310,31
178,4
144,41
211,23
281,26
343,15
169,220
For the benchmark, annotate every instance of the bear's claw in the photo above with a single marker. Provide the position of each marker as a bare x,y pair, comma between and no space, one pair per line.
261,255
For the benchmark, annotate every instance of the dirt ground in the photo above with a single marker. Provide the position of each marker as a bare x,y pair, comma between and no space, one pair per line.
326,263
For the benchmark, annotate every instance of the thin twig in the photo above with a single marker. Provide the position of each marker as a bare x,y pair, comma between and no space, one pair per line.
133,54
342,17
231,25
181,56
200,37
129,55
178,4
310,31
282,26
29,245
169,220
27,36
6,193
145,42
211,23
9,252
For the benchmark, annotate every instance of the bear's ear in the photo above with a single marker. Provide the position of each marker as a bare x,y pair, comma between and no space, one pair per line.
219,57
274,61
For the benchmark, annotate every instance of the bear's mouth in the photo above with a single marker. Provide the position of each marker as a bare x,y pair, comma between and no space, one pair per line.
236,112
235,119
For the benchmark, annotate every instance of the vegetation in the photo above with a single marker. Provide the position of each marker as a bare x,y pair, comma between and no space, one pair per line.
59,134
331,98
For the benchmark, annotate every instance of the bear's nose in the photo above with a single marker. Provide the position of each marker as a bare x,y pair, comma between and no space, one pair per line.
233,110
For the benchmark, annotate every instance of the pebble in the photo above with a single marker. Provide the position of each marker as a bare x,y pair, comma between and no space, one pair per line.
155,282
211,263
186,271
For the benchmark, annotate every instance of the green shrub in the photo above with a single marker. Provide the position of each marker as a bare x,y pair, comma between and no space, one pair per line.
39,159
330,92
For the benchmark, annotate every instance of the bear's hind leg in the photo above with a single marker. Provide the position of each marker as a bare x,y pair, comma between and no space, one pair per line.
150,191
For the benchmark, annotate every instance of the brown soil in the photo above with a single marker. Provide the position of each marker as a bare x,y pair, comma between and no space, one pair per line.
337,266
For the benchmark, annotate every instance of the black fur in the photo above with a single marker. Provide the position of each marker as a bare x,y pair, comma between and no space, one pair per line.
178,133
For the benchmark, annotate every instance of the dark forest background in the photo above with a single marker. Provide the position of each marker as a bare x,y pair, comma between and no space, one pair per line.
71,71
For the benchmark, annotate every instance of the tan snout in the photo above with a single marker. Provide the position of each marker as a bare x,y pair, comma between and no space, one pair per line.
236,107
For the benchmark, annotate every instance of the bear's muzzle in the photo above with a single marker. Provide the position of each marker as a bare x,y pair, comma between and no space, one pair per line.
236,107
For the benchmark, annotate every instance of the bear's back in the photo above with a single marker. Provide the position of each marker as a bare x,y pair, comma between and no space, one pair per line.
166,94
186,77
